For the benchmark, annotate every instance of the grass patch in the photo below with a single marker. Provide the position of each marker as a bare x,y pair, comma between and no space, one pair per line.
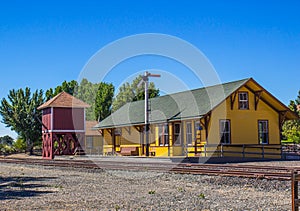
58,186
201,196
117,207
180,189
151,192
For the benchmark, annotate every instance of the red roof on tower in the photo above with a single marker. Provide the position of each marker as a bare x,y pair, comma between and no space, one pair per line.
64,100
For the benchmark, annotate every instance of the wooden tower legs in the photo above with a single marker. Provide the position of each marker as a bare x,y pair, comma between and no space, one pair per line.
62,144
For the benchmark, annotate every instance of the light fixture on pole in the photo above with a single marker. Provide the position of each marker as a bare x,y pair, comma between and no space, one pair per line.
145,80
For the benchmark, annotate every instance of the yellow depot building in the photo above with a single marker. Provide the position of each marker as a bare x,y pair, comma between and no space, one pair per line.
239,118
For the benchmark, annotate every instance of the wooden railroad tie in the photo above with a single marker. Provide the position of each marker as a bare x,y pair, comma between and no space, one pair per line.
295,178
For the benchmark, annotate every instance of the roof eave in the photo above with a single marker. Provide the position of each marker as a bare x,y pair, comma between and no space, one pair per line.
151,122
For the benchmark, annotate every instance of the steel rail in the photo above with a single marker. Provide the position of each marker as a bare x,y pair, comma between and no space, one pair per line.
199,165
252,171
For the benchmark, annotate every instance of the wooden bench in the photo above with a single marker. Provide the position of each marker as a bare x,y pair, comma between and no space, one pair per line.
129,151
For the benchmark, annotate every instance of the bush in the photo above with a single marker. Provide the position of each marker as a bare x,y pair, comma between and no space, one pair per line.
6,149
19,145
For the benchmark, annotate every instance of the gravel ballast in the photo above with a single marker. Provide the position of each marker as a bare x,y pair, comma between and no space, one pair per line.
25,187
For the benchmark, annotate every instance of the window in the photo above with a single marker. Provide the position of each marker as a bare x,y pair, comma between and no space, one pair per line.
263,132
163,132
243,101
89,142
177,134
189,133
198,129
225,131
118,131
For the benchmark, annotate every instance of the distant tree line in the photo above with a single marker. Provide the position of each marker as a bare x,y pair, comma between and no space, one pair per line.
9,145
6,140
19,110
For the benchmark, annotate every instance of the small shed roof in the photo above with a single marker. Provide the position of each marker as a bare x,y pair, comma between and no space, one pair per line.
89,131
64,100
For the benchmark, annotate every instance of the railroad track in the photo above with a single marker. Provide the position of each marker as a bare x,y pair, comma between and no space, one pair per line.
250,171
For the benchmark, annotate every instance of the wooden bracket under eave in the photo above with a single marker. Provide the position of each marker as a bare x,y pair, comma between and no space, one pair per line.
127,129
139,128
282,117
101,131
257,96
232,99
205,124
110,131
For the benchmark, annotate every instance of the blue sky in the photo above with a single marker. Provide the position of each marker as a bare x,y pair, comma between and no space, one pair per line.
43,43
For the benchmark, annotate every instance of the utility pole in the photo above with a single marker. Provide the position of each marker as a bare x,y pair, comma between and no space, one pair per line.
145,79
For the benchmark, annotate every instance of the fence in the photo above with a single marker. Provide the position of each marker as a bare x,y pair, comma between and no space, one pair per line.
241,150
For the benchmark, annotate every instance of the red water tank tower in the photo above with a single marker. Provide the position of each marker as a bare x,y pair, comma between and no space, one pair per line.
63,129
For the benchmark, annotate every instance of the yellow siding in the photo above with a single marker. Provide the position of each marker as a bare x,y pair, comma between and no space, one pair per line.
244,123
129,137
161,151
107,139
107,142
177,151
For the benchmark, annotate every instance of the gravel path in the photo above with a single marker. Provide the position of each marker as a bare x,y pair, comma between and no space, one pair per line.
51,188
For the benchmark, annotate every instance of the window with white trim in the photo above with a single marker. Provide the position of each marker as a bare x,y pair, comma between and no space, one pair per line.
263,131
225,131
177,134
189,134
163,133
243,101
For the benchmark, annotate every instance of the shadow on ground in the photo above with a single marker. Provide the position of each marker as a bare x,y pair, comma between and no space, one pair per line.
20,187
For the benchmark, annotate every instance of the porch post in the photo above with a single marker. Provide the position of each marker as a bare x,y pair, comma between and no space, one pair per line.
169,140
113,140
142,140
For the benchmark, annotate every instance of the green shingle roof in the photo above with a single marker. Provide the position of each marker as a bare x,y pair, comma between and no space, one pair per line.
182,105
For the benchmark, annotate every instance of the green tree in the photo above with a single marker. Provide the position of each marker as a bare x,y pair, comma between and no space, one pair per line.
103,101
87,92
49,94
19,112
6,140
132,92
291,129
84,91
69,87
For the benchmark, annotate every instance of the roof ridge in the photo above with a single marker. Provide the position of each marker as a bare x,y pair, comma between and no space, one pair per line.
56,97
64,99
192,90
211,86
